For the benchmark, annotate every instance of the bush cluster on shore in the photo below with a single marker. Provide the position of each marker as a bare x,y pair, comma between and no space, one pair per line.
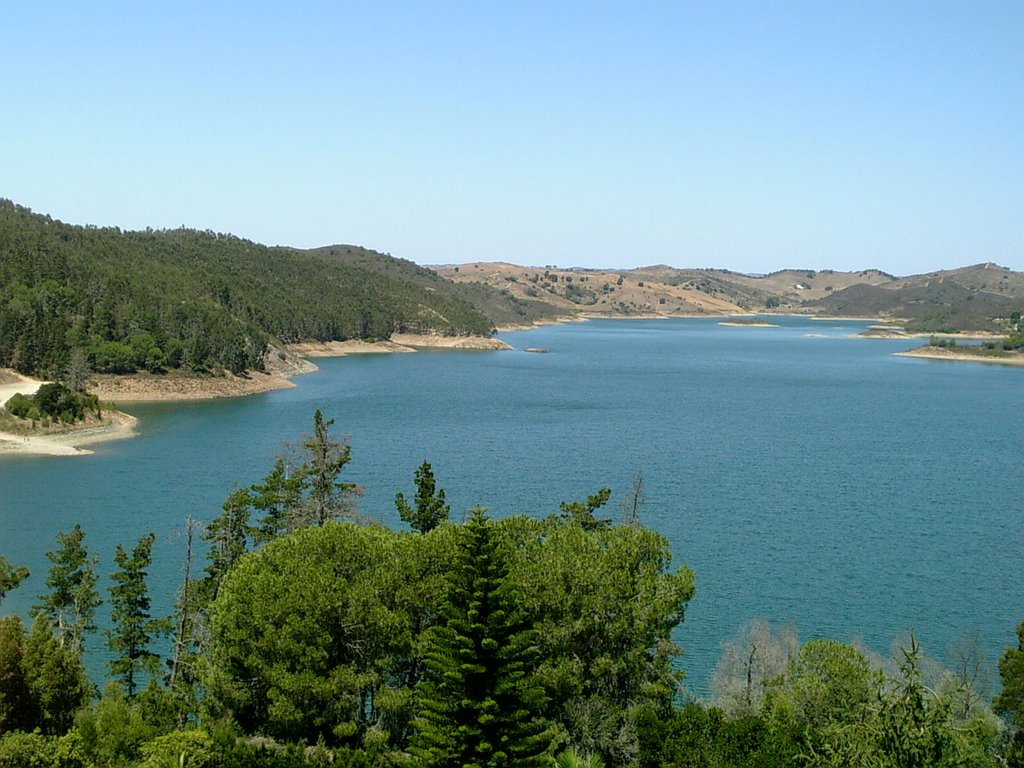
54,402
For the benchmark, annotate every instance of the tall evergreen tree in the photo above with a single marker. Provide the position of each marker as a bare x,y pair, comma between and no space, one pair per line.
18,708
133,629
582,512
276,497
327,498
72,601
1010,701
480,701
431,509
228,534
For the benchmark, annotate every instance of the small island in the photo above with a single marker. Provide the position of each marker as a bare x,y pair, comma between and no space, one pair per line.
748,322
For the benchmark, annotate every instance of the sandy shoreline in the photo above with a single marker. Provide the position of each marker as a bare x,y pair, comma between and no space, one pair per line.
939,353
113,426
399,343
282,365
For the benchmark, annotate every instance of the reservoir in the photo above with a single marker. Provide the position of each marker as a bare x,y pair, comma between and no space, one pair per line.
806,475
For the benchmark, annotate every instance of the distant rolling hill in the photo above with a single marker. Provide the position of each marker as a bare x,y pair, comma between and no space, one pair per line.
981,298
976,298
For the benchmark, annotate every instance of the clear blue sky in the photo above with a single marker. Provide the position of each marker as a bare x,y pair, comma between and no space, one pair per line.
744,135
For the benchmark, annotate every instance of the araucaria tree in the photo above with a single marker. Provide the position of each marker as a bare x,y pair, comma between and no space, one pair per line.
480,701
431,509
133,628
72,601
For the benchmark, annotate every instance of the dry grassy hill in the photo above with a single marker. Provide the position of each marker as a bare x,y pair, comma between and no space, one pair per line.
979,297
593,292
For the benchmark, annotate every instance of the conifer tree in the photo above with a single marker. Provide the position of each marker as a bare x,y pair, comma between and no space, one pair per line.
18,709
431,509
1010,701
73,599
327,498
582,512
133,629
228,534
480,702
278,494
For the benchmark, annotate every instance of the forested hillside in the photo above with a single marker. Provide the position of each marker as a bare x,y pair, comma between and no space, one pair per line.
201,301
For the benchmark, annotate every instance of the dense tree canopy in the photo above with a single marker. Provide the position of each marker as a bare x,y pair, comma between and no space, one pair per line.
157,300
322,632
1010,701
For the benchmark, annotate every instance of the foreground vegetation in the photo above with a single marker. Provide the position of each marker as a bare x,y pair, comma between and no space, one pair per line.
311,638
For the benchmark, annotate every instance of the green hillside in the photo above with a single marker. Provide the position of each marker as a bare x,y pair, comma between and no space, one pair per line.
202,301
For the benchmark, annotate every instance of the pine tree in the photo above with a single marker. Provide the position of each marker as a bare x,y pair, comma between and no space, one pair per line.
18,708
582,512
431,509
73,599
276,497
1010,701
327,498
133,630
228,533
480,702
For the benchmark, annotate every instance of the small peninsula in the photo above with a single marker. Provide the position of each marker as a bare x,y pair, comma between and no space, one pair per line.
41,436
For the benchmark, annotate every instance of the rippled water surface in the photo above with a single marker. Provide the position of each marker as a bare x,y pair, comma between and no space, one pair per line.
805,475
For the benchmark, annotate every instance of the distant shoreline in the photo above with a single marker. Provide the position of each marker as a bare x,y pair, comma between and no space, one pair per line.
144,387
953,354
283,365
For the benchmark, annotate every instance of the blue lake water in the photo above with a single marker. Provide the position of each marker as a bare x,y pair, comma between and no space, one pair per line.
805,475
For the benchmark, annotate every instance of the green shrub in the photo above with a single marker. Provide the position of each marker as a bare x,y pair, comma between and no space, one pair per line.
33,750
190,749
53,402
20,405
